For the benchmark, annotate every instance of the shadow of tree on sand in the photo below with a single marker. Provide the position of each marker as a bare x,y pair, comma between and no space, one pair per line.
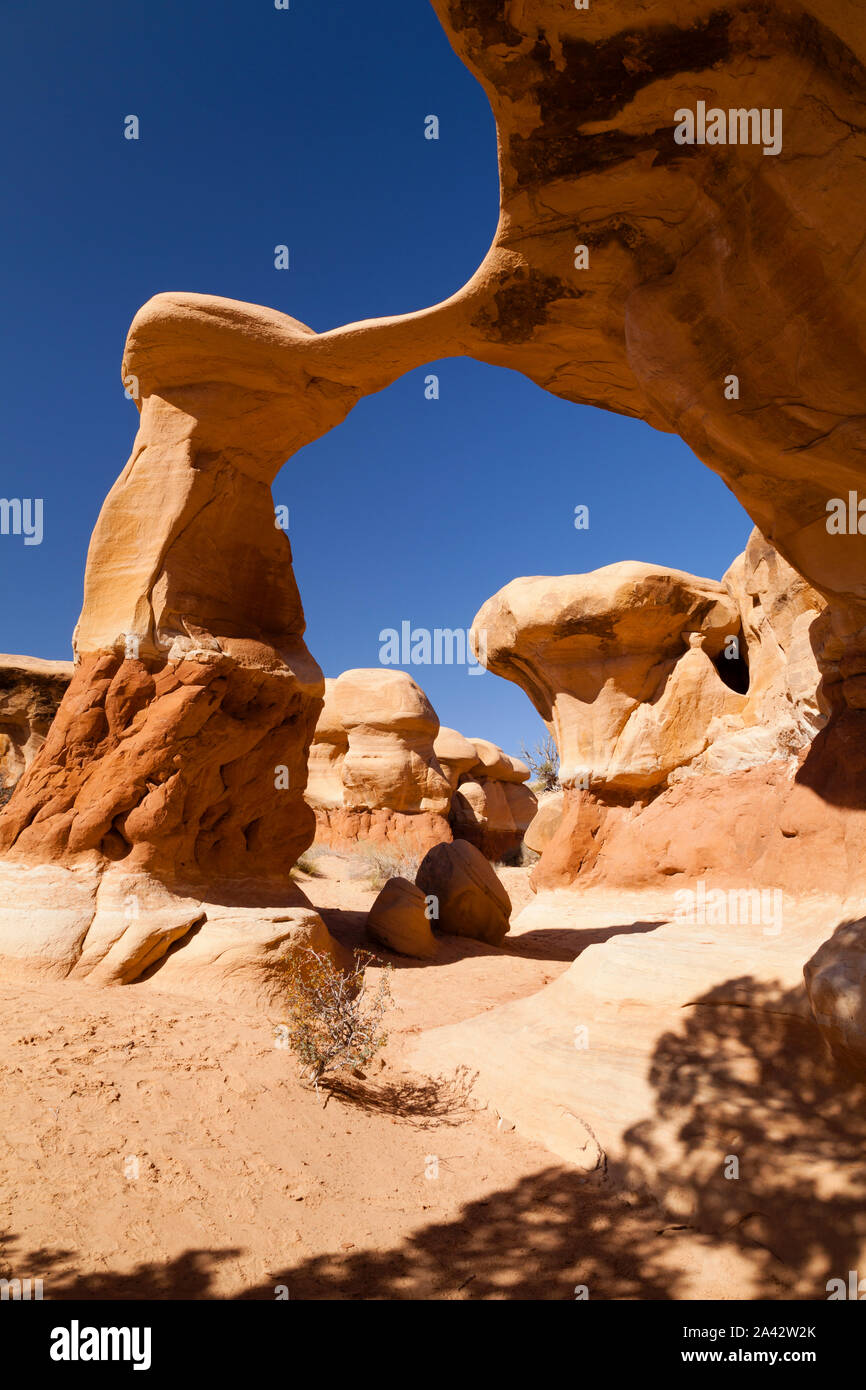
749,1079
746,1076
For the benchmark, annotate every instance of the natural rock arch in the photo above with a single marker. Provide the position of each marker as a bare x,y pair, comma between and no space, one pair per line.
193,681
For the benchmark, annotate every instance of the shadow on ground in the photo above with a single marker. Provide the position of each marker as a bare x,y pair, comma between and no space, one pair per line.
547,943
750,1083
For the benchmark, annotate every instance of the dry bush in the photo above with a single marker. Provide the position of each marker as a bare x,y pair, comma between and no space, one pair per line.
395,859
543,763
333,1021
307,865
431,1102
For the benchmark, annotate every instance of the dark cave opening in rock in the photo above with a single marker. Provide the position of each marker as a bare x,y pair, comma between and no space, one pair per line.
732,664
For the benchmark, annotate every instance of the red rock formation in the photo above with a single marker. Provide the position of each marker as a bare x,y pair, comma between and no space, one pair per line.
382,771
491,806
179,751
374,774
669,774
695,264
30,694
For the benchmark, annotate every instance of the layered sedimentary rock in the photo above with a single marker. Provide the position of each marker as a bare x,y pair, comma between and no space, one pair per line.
714,290
382,769
619,664
666,1050
455,753
491,806
179,752
30,695
704,261
373,772
684,711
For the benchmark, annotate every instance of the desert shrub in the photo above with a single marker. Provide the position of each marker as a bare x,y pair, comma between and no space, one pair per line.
392,860
307,865
5,792
333,1019
543,763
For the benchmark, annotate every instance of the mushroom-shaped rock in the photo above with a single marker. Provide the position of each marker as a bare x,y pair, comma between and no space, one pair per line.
390,727
492,815
836,984
469,897
455,753
522,805
619,664
398,920
374,773
496,765
491,807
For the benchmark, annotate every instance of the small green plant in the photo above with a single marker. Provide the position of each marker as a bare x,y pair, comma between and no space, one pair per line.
543,763
334,1020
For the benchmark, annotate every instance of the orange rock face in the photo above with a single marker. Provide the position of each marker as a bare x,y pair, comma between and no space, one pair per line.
714,290
30,694
374,773
606,659
172,770
702,261
469,898
179,751
382,770
491,807
670,774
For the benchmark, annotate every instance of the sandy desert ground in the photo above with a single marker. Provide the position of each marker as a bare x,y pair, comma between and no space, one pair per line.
156,1146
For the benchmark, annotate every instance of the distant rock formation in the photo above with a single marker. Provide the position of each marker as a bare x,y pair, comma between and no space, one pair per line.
456,754
645,676
620,665
492,807
683,710
30,695
716,292
382,769
373,771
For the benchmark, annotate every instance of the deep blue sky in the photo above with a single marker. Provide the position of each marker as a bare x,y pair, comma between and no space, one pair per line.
304,127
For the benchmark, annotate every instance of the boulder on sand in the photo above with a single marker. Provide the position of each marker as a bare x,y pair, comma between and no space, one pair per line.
471,901
398,920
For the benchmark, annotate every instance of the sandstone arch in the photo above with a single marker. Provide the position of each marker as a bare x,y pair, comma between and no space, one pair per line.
701,262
